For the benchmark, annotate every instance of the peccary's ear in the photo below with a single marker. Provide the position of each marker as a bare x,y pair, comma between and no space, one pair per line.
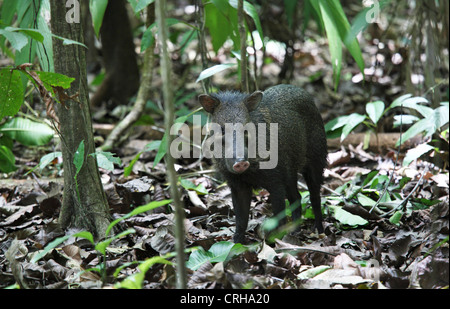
208,102
252,101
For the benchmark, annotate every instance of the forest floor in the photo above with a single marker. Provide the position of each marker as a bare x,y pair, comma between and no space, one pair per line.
405,247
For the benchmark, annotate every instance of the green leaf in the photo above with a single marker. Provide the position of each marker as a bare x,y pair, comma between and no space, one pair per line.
375,110
148,38
336,123
149,147
140,5
407,101
250,10
366,16
214,70
11,92
153,145
198,258
312,272
334,40
97,8
106,160
27,132
353,121
161,150
416,152
396,217
270,224
399,101
32,33
17,40
346,218
219,252
128,169
221,21
404,120
50,80
101,246
57,241
429,125
337,29
138,210
135,280
189,185
343,27
54,79
78,157
7,160
68,41
46,160
370,177
365,201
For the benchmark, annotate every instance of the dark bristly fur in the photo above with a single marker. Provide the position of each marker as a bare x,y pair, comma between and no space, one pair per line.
302,148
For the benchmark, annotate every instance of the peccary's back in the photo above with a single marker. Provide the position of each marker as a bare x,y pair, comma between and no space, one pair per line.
301,134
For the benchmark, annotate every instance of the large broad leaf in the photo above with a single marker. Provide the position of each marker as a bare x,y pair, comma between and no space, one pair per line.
416,152
428,125
139,5
334,40
221,20
106,160
343,28
353,121
11,92
375,110
17,40
97,8
408,101
7,160
27,132
214,70
32,33
346,218
337,29
219,252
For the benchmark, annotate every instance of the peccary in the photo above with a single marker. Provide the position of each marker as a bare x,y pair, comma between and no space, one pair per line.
301,146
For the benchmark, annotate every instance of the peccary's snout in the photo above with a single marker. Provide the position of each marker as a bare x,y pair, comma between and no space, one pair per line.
241,166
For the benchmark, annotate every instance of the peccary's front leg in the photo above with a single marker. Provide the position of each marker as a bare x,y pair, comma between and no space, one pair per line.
241,196
277,196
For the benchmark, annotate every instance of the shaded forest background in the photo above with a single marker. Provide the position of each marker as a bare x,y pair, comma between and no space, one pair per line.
405,54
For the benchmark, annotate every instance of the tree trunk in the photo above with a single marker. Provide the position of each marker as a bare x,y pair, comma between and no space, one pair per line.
143,94
89,209
119,58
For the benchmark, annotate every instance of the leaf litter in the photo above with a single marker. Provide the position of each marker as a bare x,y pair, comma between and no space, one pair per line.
360,249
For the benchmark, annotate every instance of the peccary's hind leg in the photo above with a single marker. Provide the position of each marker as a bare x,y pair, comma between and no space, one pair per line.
313,179
295,199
